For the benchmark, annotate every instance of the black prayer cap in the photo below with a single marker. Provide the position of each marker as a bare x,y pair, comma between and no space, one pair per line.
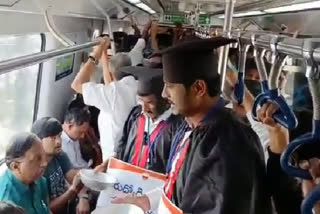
150,80
191,60
46,127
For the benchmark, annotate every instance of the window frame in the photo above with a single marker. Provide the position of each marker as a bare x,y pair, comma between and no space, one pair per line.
39,80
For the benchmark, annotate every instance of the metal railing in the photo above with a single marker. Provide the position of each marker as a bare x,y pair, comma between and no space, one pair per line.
36,58
293,47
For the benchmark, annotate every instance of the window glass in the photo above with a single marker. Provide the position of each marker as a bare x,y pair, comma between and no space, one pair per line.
17,88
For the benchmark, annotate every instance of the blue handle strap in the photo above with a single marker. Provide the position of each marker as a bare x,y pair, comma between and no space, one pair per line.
285,157
310,201
284,116
309,138
258,101
239,88
264,86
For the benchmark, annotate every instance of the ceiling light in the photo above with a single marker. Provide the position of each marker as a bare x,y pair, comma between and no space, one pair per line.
143,6
134,1
151,11
249,13
295,7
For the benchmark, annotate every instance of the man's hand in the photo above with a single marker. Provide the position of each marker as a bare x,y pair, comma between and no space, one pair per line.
141,201
102,167
265,114
279,135
313,165
102,48
83,206
76,185
231,77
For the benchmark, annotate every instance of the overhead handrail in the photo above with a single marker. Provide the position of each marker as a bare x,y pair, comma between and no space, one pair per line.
36,58
240,85
288,45
313,72
285,115
53,29
101,10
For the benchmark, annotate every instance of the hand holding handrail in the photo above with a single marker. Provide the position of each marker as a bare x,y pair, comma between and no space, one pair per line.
285,115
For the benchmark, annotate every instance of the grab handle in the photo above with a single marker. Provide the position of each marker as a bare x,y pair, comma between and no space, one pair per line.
284,116
240,85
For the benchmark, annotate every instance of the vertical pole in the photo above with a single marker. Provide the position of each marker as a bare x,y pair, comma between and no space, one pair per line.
224,51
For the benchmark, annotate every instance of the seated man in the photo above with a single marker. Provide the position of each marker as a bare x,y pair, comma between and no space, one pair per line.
9,208
75,127
89,145
22,183
148,122
59,170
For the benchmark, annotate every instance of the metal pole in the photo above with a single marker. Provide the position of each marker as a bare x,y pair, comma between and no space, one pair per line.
32,59
99,8
224,51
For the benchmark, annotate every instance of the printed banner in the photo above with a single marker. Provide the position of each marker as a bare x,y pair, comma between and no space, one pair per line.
131,180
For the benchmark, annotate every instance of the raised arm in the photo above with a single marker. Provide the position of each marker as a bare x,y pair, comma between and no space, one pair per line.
89,67
285,191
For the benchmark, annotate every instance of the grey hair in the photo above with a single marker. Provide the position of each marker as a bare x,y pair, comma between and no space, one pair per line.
119,60
9,208
19,145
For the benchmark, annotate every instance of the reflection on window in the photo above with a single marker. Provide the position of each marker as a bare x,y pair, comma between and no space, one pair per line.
17,88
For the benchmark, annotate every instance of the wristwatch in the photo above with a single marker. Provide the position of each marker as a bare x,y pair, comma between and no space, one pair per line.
94,60
84,196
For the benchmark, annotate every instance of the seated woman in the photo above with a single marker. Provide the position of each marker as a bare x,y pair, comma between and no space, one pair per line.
9,208
22,183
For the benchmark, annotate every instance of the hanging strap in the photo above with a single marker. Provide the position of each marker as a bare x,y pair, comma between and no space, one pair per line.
141,151
146,148
173,175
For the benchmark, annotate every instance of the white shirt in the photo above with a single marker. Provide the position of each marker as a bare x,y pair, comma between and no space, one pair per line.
115,101
72,149
151,126
136,54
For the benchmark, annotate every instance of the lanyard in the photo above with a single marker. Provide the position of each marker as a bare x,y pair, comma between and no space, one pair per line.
142,152
180,148
173,175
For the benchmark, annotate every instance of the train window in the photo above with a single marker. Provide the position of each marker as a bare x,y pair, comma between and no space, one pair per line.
17,88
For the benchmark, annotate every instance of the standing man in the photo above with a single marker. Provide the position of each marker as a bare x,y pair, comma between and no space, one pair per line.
148,122
216,163
115,98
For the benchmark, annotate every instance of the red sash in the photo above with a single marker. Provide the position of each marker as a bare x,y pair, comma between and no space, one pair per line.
141,152
181,153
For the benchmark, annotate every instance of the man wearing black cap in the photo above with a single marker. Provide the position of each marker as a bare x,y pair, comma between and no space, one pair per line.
149,122
59,170
216,164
